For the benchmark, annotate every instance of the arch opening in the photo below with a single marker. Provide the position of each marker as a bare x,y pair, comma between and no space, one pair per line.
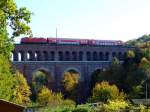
45,57
74,56
106,56
80,56
120,57
41,78
95,56
101,56
88,56
20,56
95,77
60,56
71,85
29,56
37,56
52,55
67,56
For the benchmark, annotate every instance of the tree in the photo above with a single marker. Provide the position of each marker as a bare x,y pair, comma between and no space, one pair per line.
70,81
104,91
145,66
39,80
44,96
113,74
47,97
7,80
115,61
22,89
17,20
130,54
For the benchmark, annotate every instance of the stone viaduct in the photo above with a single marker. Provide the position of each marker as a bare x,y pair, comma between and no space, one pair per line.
55,60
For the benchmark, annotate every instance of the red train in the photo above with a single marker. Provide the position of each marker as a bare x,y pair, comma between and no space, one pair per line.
34,40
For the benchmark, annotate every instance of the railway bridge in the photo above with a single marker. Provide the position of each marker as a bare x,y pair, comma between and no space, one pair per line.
56,59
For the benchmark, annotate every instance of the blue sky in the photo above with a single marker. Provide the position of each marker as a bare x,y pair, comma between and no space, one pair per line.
92,19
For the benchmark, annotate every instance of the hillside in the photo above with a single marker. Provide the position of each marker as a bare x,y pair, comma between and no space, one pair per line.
142,41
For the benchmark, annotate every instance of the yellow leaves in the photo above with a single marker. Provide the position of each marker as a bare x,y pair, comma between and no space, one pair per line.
71,80
115,105
104,91
144,63
44,96
47,97
22,89
130,54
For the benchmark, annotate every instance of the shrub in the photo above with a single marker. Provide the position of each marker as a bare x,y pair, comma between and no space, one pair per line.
44,96
104,91
83,108
69,103
113,106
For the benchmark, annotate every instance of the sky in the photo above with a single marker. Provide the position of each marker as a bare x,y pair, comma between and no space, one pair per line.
91,19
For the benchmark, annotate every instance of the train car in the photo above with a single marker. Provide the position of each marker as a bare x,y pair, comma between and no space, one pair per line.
83,41
92,42
33,40
105,42
119,42
51,40
68,41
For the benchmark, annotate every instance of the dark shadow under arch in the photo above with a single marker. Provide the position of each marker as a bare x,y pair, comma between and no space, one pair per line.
49,81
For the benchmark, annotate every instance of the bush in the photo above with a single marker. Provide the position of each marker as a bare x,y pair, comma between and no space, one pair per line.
69,103
80,110
58,109
113,106
44,96
83,108
104,91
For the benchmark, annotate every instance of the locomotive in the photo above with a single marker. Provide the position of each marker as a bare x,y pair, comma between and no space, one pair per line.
67,41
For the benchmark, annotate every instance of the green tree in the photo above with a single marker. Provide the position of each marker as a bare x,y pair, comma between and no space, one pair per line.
104,91
7,80
145,66
39,80
22,89
17,20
